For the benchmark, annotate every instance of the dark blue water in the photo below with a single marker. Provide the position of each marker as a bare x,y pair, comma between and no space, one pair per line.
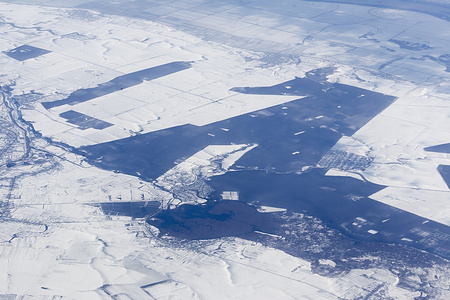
120,83
84,121
25,52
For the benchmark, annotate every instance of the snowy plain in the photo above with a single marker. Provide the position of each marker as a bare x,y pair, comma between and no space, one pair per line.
81,253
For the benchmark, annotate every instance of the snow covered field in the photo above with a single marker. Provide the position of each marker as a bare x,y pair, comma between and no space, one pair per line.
56,241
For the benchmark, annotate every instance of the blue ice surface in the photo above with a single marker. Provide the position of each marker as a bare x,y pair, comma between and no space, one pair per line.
443,148
445,60
136,9
300,235
221,219
444,170
120,83
435,9
445,173
25,52
84,121
341,19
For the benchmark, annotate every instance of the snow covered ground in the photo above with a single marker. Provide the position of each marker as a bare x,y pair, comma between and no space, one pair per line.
57,241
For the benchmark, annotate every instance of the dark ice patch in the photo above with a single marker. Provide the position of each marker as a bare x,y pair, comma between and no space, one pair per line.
84,121
25,52
134,209
444,59
410,45
445,173
120,83
443,148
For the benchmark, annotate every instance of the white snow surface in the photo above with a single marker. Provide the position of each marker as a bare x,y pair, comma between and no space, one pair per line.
83,254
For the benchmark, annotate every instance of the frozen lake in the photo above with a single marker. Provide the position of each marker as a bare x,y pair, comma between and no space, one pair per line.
290,138
25,52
